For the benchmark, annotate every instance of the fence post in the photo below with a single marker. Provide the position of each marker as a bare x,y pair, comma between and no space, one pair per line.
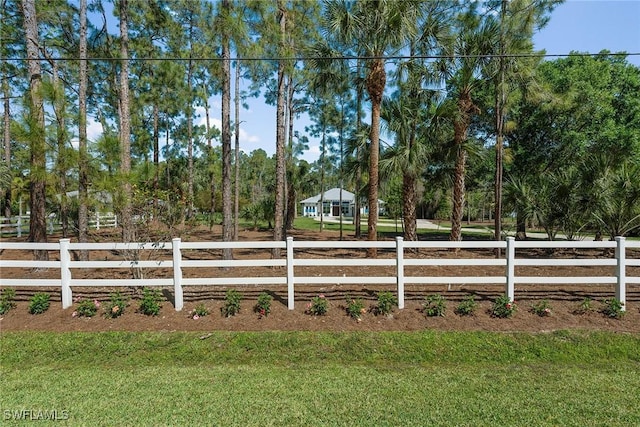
177,274
19,226
621,287
97,220
511,255
400,270
65,273
290,278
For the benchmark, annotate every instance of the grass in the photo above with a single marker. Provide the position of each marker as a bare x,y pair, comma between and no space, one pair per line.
384,226
324,378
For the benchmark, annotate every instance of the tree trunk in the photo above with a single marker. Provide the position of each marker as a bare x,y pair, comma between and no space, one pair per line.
37,176
59,111
461,125
521,227
409,207
83,162
190,205
357,218
458,194
409,186
7,144
322,154
128,232
156,157
227,214
290,174
375,82
278,227
236,199
500,117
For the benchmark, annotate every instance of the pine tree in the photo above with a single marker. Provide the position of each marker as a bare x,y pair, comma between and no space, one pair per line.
38,224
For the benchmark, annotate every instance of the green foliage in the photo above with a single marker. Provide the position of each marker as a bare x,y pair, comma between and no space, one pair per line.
253,213
39,303
116,305
434,305
86,308
231,303
613,308
7,300
150,303
386,302
584,307
263,306
503,308
318,306
575,156
199,311
355,308
467,306
541,308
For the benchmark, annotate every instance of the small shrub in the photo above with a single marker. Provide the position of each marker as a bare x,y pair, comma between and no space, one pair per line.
231,303
355,308
116,305
613,308
541,308
86,308
150,303
39,303
199,311
7,300
386,302
503,308
263,306
318,306
585,306
467,306
434,306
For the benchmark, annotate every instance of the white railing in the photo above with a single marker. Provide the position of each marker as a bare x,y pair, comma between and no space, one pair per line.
396,260
20,224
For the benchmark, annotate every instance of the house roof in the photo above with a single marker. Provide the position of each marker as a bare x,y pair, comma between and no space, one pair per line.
333,194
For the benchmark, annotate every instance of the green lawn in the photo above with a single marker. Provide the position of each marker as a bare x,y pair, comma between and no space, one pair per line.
319,379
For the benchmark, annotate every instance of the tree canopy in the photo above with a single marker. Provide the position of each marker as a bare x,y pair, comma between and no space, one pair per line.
410,101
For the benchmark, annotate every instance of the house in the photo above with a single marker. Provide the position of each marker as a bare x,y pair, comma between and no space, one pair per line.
331,204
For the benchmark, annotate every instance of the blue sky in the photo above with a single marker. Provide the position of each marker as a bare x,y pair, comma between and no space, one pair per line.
591,26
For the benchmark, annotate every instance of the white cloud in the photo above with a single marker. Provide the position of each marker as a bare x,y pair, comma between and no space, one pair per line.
312,154
94,131
248,141
245,137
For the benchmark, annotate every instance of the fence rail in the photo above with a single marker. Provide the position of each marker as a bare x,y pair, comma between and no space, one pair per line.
397,260
20,224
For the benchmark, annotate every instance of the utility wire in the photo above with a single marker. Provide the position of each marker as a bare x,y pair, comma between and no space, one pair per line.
337,58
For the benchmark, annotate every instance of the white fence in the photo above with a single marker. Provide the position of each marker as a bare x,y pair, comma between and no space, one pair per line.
398,259
20,224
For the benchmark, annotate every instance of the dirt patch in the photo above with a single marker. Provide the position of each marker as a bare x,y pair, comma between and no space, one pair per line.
563,301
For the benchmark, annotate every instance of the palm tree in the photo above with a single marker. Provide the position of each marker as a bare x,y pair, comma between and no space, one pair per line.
612,193
373,30
414,120
468,58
